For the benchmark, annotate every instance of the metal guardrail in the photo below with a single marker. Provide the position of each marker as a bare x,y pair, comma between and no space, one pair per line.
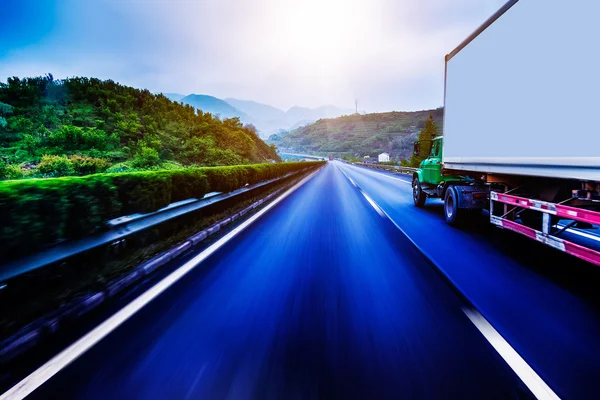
403,170
305,156
119,229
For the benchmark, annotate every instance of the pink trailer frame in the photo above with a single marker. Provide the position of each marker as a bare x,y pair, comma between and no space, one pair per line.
545,236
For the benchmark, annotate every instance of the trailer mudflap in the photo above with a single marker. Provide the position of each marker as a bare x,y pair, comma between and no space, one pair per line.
472,196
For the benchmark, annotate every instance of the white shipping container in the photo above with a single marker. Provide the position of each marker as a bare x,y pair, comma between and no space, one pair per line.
523,93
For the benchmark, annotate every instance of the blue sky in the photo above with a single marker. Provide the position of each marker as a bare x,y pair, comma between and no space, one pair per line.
386,53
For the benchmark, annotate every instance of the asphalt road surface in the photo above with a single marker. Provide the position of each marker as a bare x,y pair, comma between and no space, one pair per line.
322,297
545,303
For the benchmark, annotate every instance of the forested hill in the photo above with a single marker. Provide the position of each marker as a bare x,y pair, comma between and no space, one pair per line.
359,135
114,127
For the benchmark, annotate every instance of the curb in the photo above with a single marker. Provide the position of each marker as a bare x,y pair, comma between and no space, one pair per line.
33,333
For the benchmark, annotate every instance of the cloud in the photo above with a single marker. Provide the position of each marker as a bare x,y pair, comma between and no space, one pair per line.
387,53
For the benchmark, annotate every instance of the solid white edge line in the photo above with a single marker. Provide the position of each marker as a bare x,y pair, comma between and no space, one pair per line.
517,364
530,378
375,206
371,202
75,350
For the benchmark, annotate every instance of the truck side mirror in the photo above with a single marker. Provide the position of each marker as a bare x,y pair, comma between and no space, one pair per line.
417,148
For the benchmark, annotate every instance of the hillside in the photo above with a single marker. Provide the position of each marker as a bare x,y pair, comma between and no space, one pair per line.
358,135
78,126
214,106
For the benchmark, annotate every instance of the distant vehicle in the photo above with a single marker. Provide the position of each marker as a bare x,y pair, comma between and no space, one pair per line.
517,135
331,157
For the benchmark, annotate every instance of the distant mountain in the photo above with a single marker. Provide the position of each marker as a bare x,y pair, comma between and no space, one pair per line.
174,96
357,135
300,114
267,119
214,106
295,117
314,114
257,111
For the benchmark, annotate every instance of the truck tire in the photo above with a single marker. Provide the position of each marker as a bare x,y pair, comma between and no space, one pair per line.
452,213
418,195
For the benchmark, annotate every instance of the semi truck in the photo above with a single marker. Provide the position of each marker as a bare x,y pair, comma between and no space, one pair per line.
520,136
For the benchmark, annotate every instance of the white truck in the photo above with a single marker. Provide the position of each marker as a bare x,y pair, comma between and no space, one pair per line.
522,96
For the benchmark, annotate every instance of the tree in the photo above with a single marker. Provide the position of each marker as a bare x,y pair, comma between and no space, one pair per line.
5,109
101,119
427,134
31,143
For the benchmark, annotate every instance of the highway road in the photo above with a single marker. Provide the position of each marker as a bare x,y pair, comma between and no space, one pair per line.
544,302
324,296
321,297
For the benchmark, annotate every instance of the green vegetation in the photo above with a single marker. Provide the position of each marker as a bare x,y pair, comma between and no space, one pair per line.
93,125
45,290
74,165
38,212
356,136
427,134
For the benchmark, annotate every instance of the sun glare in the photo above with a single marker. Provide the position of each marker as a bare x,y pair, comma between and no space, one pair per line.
321,30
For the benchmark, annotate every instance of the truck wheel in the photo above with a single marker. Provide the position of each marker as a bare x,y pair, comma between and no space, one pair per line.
451,210
418,195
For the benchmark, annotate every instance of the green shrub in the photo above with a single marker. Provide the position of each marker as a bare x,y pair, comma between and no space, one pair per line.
224,179
10,171
76,165
170,165
31,143
13,171
6,109
55,166
67,136
142,192
188,183
145,157
120,168
37,212
83,165
33,213
21,155
116,156
94,138
92,201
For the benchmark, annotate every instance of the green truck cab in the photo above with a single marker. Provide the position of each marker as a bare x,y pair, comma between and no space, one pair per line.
462,195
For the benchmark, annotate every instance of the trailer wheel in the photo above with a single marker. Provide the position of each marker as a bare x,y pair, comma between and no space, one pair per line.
451,211
418,195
